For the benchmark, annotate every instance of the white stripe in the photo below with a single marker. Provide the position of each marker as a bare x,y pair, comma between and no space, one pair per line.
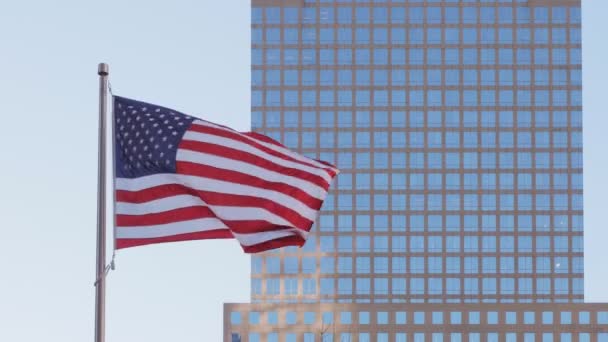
249,213
169,229
257,238
229,213
251,169
273,147
159,205
140,183
207,184
238,145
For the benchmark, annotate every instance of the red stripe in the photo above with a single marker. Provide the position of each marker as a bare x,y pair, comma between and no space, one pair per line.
175,215
242,138
192,213
247,157
267,139
193,169
211,234
263,138
294,240
215,198
153,193
257,226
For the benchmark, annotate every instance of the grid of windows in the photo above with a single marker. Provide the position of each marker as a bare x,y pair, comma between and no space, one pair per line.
457,127
447,322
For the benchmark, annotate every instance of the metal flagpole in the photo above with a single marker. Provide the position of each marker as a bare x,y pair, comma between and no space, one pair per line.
100,275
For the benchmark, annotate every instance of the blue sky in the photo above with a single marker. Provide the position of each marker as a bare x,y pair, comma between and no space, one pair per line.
192,56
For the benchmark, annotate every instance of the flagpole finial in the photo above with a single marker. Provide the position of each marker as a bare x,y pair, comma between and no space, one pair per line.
103,69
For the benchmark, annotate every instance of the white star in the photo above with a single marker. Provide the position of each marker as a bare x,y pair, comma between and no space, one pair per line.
157,110
162,154
174,133
164,138
160,131
170,145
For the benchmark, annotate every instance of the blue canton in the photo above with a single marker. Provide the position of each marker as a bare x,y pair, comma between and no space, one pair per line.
147,137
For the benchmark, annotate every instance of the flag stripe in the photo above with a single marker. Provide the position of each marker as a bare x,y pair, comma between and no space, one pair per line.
210,234
271,149
257,238
276,146
167,229
293,240
166,205
211,172
201,135
233,159
229,190
163,217
192,197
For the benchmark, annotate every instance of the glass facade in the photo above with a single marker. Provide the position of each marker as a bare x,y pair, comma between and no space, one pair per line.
457,127
419,322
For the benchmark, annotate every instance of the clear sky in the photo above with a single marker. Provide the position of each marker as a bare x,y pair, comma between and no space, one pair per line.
192,56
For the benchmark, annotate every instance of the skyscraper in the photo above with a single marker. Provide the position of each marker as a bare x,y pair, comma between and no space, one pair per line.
457,126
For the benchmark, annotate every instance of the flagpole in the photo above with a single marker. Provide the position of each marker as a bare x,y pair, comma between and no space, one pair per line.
100,282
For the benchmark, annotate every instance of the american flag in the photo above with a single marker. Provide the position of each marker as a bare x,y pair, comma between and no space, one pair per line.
182,178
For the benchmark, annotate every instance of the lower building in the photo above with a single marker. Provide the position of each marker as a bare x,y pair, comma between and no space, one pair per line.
532,322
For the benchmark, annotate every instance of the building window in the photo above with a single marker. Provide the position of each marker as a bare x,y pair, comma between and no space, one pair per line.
235,318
